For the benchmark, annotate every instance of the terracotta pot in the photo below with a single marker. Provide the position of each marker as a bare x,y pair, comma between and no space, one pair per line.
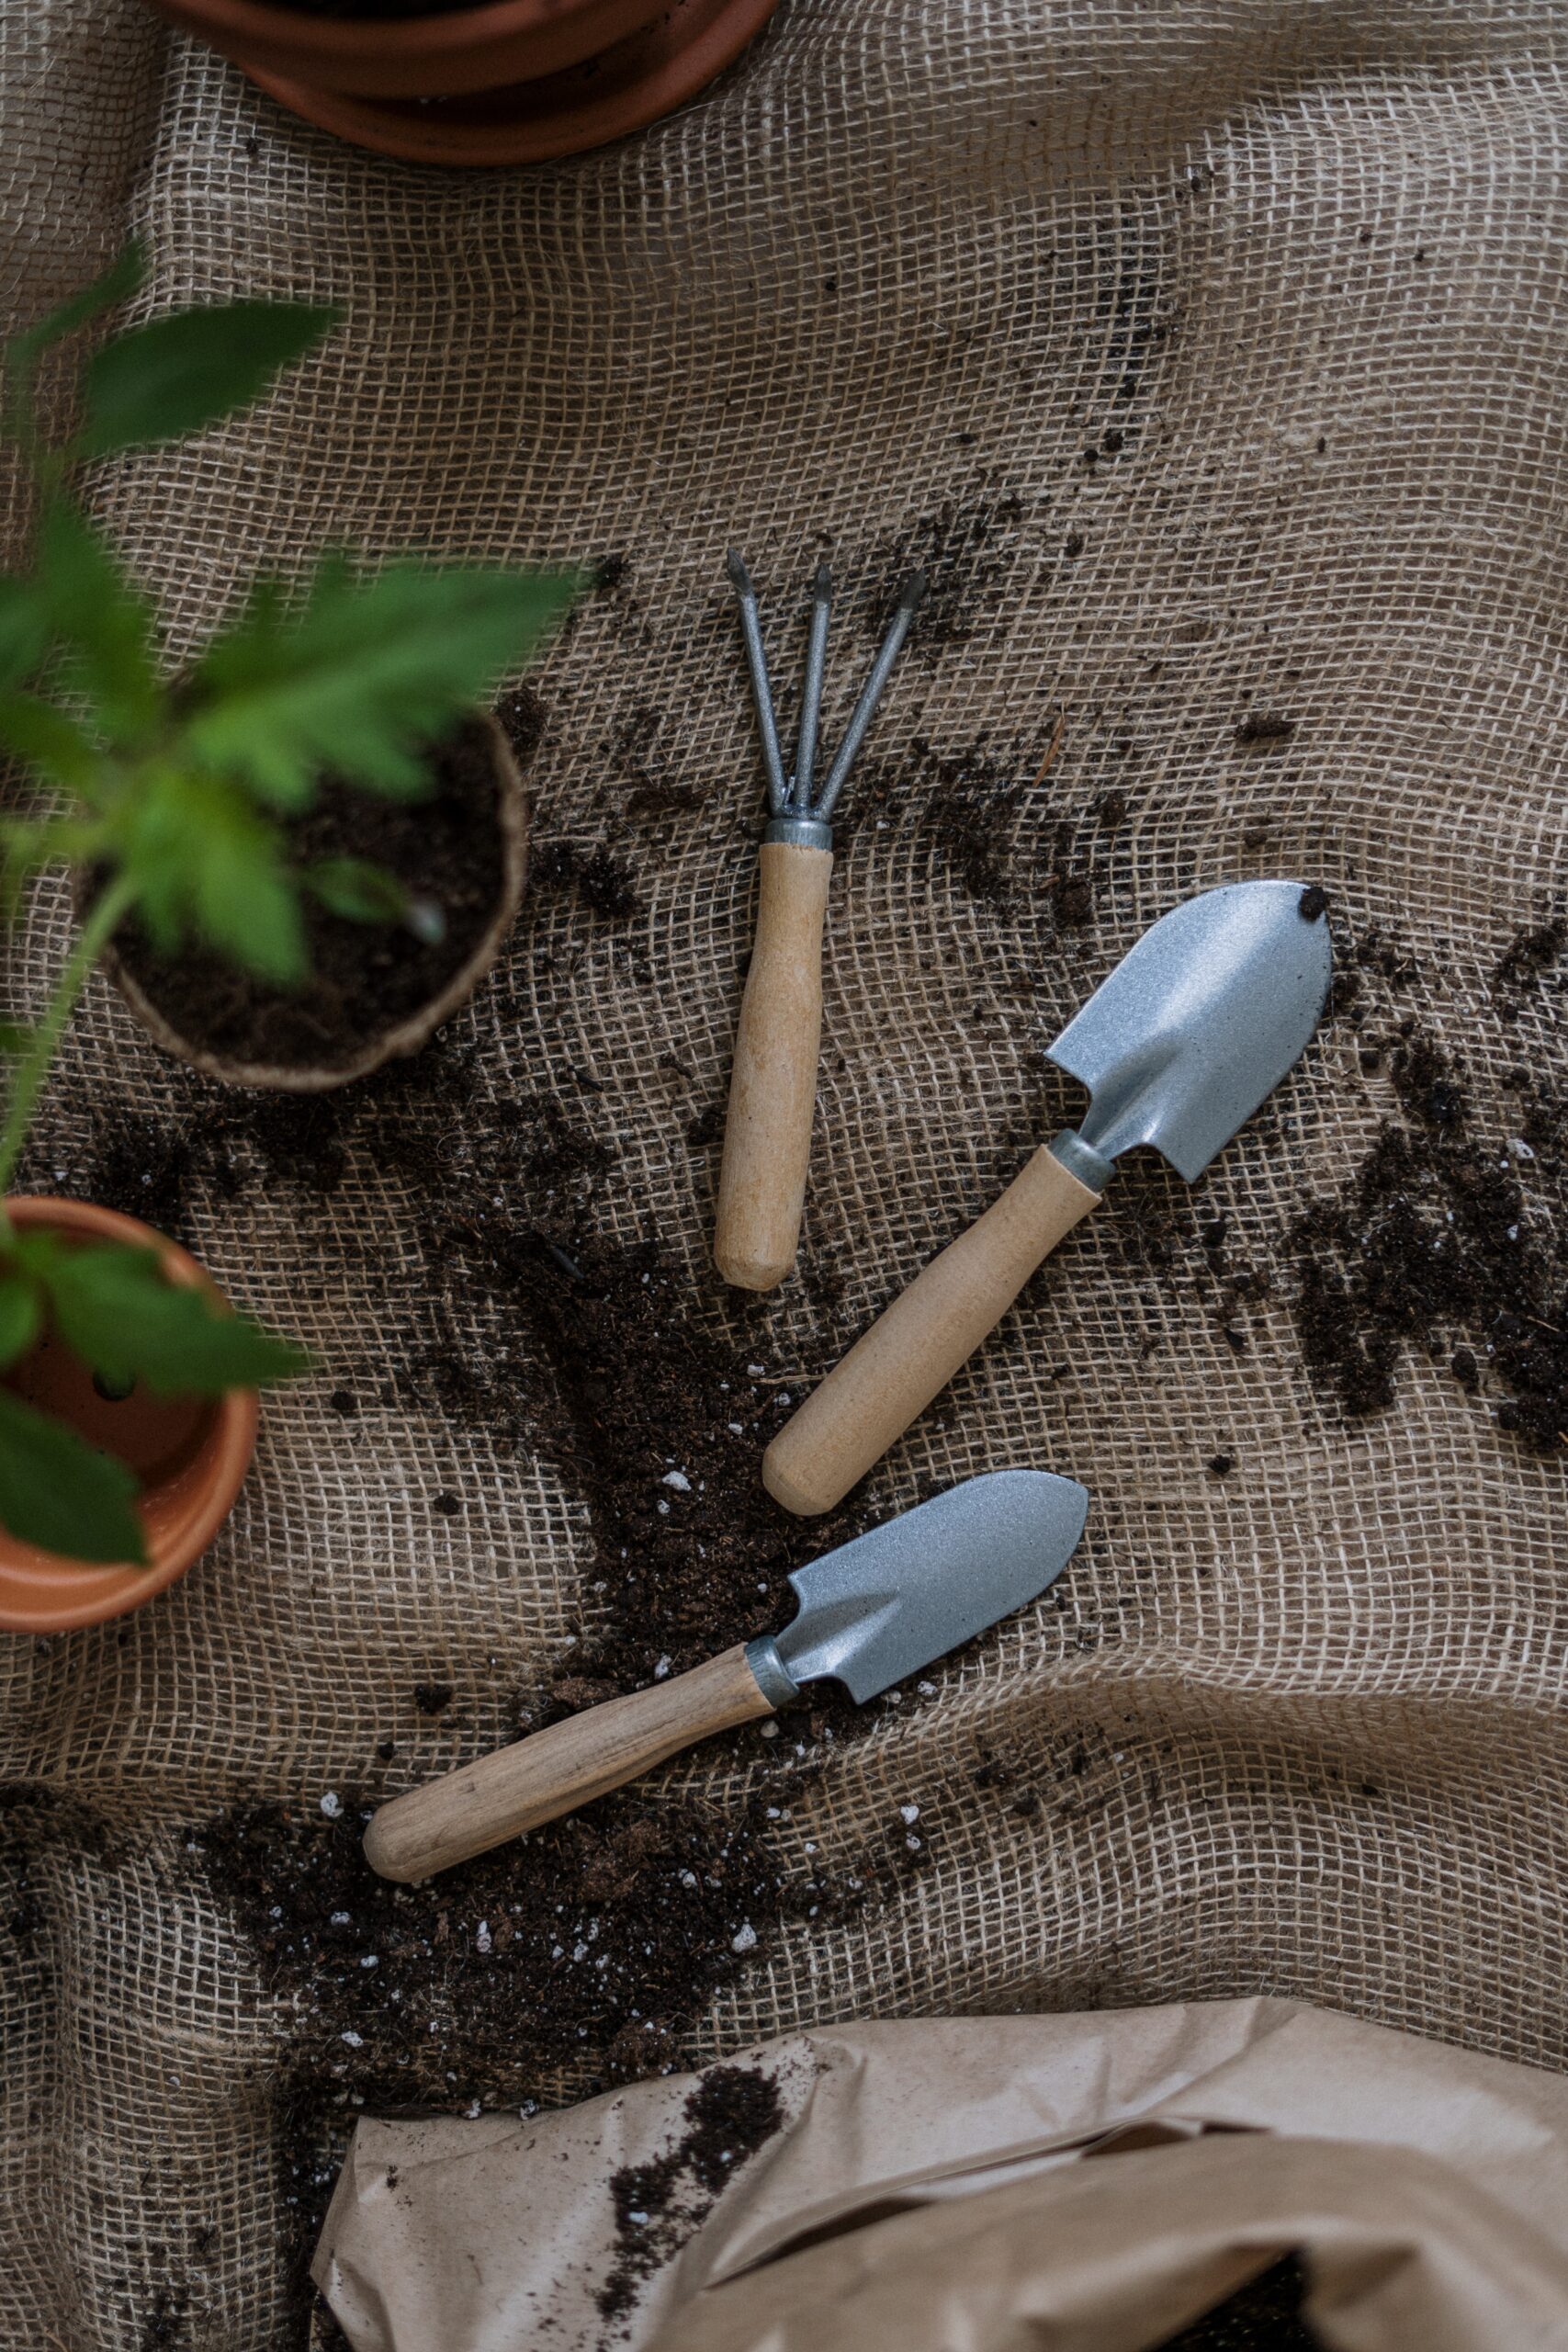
517,81
405,1037
190,1453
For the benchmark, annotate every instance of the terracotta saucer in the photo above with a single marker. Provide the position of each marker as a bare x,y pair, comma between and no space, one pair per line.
622,90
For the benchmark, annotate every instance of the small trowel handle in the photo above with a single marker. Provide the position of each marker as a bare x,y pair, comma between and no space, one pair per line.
555,1771
772,1091
916,1345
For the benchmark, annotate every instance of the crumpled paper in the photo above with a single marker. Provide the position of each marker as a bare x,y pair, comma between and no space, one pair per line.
1087,2183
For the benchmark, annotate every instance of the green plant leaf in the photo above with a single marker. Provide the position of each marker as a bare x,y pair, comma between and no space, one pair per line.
352,887
61,1492
204,861
117,284
14,1038
357,682
49,740
107,624
23,630
185,371
361,892
117,1307
21,1312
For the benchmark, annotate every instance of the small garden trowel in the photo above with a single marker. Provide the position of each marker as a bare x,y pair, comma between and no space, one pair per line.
871,1613
1196,1024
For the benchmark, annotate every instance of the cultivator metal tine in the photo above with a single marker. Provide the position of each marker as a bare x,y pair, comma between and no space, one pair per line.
811,698
789,797
910,596
761,692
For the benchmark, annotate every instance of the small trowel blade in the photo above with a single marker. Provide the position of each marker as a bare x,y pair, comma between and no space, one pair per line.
888,1603
1200,1021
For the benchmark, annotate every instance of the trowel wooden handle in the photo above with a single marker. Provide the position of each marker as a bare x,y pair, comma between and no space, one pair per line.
773,1089
914,1348
555,1771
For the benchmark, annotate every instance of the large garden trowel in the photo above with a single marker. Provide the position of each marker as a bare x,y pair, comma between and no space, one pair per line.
870,1613
1196,1024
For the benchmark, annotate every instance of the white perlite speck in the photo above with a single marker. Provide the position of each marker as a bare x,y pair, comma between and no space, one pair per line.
355,2041
910,1812
679,1480
331,1805
745,1940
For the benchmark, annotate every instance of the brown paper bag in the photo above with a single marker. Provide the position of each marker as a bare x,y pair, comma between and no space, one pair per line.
1087,2183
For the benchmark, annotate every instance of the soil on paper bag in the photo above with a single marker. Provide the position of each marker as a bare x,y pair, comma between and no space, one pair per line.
729,2113
1263,2316
366,978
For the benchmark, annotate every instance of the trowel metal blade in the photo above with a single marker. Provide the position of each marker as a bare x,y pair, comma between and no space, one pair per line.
1199,1022
891,1601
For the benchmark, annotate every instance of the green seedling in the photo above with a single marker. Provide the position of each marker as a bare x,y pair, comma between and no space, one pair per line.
169,795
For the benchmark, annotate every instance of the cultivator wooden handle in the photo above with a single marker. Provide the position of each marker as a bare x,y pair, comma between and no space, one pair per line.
555,1771
916,1345
773,1089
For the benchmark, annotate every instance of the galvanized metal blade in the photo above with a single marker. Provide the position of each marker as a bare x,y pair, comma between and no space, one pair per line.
888,1603
1200,1021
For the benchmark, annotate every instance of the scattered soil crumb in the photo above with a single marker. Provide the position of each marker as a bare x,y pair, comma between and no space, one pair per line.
524,720
966,547
1428,1083
1530,954
598,879
1378,951
1313,902
1434,1239
1262,730
729,2113
967,803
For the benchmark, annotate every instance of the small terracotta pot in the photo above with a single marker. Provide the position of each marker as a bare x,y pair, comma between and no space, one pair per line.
405,1037
517,81
190,1453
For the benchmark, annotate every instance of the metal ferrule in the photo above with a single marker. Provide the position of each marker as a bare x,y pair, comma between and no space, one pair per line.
801,832
1081,1159
773,1679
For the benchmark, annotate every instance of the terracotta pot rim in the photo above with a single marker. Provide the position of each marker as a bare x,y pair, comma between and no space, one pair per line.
31,1596
406,1037
509,124
435,33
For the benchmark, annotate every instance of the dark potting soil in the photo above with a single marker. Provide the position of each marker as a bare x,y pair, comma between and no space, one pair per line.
729,2113
1265,2316
366,978
579,1952
581,1955
1437,1246
968,804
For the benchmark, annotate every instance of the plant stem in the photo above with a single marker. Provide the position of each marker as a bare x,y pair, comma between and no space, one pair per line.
107,912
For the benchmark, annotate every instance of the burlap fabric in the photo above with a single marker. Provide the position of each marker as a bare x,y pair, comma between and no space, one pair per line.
1295,273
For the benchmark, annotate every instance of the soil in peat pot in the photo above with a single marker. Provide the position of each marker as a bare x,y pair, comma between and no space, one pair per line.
366,978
